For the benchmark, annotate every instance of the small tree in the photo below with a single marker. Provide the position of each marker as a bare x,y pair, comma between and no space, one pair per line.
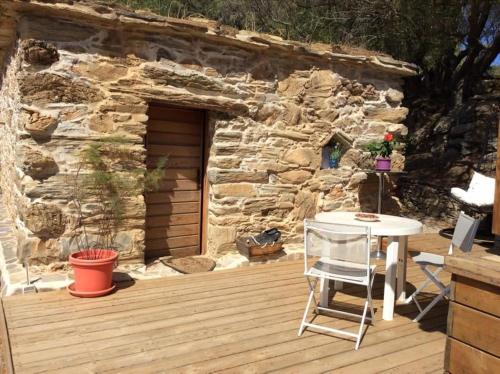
106,179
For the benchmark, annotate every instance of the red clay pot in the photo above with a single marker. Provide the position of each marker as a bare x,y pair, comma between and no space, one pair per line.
93,271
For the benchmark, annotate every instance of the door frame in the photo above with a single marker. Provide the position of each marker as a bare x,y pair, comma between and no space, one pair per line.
206,145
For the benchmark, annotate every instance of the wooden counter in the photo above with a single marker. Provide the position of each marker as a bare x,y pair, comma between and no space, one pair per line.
473,342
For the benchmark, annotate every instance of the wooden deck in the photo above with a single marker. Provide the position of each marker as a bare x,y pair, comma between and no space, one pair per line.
241,320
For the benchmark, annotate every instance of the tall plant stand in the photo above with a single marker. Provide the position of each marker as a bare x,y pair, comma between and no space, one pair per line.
378,254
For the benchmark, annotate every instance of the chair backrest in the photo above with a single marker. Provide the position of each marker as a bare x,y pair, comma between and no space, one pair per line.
338,242
464,234
482,188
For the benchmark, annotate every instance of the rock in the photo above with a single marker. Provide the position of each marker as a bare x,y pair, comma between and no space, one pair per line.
461,128
397,129
234,189
259,204
40,126
268,111
417,161
394,96
351,158
336,193
224,162
224,135
295,176
221,238
375,129
302,157
292,86
123,103
370,93
39,52
443,126
293,135
355,100
36,162
356,179
324,79
394,115
292,114
44,88
397,161
186,78
218,176
191,264
328,115
102,71
104,123
305,203
44,220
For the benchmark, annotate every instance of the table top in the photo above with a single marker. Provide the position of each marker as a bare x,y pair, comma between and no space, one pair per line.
375,171
386,225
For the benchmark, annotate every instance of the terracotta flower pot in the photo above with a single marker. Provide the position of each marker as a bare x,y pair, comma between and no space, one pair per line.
383,163
93,271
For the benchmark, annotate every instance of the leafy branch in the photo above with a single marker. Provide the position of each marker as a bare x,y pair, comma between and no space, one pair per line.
104,183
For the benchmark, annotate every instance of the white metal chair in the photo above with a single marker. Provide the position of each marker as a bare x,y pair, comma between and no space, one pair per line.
480,194
463,238
344,256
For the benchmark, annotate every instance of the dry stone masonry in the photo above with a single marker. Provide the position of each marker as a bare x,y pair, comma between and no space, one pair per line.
74,72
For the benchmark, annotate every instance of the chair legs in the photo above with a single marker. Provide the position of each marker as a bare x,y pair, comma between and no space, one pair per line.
312,287
431,277
368,303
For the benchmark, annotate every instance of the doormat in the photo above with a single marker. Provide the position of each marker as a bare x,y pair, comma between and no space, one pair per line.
190,265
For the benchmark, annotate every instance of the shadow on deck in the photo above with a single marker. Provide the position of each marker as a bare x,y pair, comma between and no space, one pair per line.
241,320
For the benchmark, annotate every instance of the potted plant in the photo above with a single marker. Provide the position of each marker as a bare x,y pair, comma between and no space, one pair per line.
382,151
334,156
106,178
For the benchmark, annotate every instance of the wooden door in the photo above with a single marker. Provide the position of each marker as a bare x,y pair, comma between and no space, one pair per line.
174,212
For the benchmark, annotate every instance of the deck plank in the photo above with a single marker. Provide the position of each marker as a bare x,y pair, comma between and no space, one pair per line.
239,320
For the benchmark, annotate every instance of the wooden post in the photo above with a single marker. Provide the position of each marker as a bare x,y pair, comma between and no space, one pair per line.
496,208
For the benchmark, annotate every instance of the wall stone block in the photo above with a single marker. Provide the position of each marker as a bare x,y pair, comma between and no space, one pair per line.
45,88
302,157
44,220
295,176
218,176
394,115
234,189
40,126
39,52
36,162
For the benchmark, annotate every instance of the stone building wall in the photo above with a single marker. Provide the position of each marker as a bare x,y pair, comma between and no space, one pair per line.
82,72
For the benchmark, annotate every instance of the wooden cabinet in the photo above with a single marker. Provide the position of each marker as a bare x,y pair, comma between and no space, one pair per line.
473,342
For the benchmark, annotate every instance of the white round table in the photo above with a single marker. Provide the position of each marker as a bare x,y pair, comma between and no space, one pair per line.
397,230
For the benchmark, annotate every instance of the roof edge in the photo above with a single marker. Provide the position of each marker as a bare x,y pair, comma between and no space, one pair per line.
121,17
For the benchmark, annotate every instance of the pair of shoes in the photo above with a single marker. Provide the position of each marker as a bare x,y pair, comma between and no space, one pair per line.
267,237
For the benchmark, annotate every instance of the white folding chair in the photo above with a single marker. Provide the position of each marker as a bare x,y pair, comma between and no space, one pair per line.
463,238
344,256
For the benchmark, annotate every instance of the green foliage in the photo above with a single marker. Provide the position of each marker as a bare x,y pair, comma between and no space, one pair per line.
494,71
106,181
335,152
382,148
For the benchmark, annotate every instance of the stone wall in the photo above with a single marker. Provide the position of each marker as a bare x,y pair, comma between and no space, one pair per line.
81,72
446,145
